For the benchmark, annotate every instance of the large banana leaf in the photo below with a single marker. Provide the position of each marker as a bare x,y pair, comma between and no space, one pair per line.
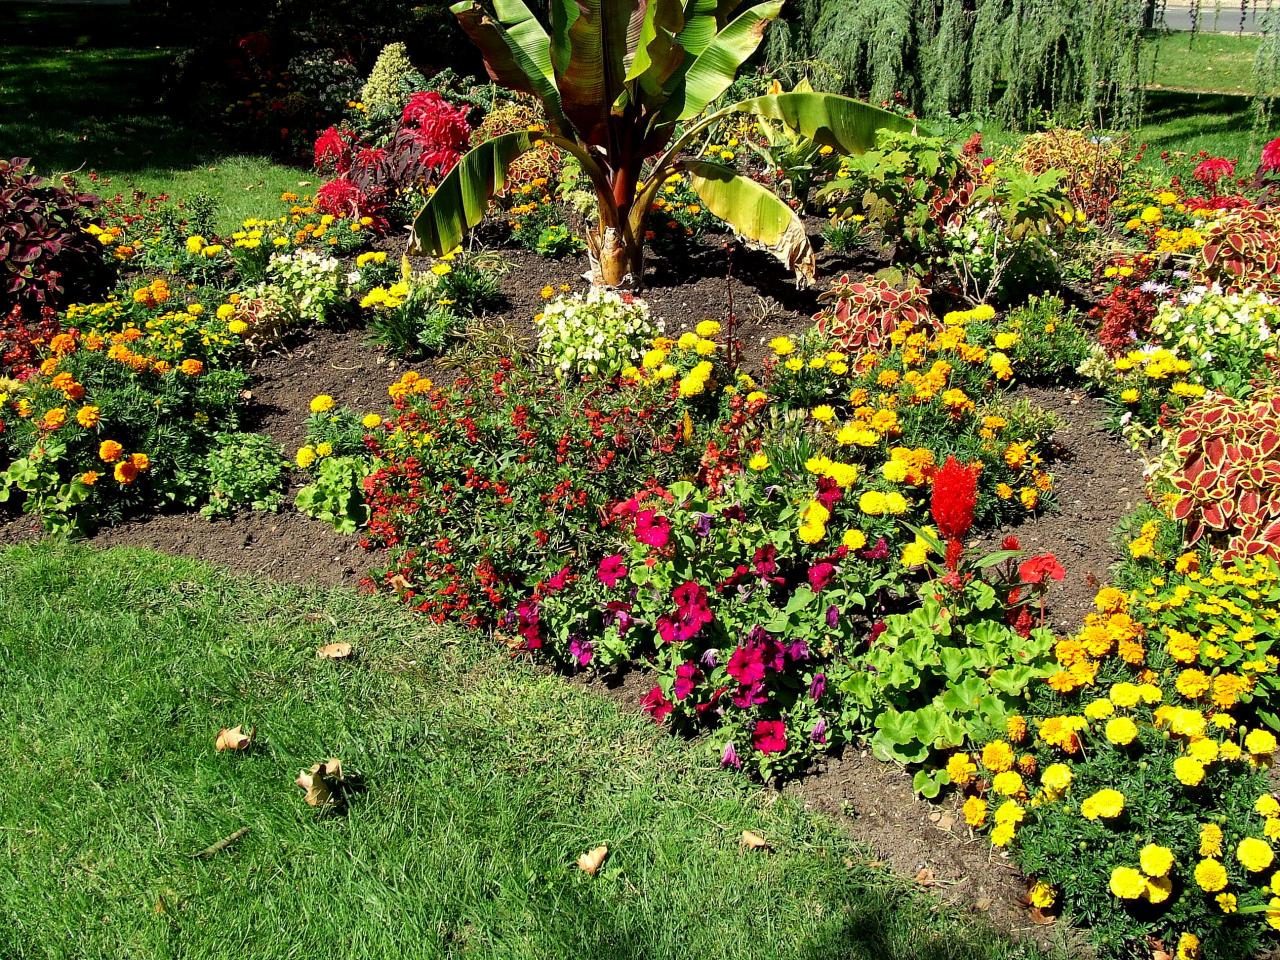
713,71
828,119
589,54
702,20
754,212
462,199
653,54
516,58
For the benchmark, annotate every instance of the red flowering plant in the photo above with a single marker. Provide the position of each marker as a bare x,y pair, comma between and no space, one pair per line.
959,665
485,488
370,176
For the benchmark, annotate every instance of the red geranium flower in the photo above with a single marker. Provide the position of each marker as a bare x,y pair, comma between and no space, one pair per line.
769,736
1210,171
1041,568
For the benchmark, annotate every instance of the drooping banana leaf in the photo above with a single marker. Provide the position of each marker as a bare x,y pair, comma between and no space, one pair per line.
828,119
516,58
589,56
753,212
714,69
462,198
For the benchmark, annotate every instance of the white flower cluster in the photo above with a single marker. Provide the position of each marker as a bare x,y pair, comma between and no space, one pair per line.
1205,321
599,333
311,284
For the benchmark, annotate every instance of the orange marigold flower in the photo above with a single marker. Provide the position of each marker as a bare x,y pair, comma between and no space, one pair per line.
109,451
141,461
126,472
192,368
88,417
89,477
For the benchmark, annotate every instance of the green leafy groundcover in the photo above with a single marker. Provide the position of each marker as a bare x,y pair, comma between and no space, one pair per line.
482,784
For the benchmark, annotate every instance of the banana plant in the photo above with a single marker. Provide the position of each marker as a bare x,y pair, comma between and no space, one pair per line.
625,86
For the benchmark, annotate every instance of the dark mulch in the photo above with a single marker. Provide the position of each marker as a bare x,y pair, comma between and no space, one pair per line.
1098,480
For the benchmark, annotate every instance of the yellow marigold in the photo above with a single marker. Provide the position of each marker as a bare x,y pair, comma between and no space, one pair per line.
975,811
1254,855
1227,902
1192,683
1211,876
1121,731
1189,771
1260,742
1158,889
322,403
812,533
1003,835
854,539
822,413
88,416
961,769
1106,804
1188,947
1042,895
1007,784
1210,840
1155,860
1099,709
997,756
1267,806
1016,728
306,456
1127,883
1056,778
1009,812
371,421
1125,694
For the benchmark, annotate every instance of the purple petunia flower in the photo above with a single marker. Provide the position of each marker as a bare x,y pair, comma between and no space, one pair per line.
817,686
730,757
819,732
833,616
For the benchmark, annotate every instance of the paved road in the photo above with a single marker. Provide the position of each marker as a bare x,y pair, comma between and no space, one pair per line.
1178,17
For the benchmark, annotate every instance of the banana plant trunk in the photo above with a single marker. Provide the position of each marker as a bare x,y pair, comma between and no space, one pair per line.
616,248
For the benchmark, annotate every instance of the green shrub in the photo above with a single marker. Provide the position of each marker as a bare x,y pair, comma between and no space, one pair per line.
336,494
245,470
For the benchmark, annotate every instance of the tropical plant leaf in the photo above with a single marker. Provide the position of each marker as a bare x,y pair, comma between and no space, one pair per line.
589,54
653,52
712,72
828,119
754,213
516,58
462,199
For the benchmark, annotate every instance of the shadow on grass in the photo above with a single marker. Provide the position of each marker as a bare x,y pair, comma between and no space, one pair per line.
82,86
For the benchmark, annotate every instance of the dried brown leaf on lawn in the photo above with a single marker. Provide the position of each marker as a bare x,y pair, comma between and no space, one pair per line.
591,861
233,738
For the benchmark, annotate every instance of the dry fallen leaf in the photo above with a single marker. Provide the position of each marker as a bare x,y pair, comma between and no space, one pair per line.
1042,918
334,651
753,841
1159,954
925,877
322,782
591,861
399,583
233,738
984,903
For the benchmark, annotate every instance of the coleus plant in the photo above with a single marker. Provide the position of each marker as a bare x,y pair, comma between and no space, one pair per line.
46,257
861,315
1229,480
625,86
1242,251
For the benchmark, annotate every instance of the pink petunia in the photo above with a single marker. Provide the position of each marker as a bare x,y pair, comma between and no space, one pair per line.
656,705
652,529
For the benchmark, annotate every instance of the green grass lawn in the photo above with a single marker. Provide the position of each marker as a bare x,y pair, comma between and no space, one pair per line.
80,89
484,781
1205,62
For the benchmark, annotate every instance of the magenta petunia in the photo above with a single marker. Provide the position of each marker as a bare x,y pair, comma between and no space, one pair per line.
656,705
820,575
769,736
687,677
611,570
652,529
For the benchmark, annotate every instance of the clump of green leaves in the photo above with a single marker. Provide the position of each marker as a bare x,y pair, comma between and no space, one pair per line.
336,493
558,241
244,470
